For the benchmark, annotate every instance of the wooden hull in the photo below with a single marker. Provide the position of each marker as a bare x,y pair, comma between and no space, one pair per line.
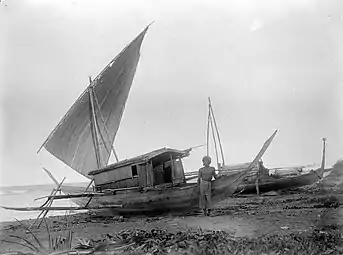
273,184
184,196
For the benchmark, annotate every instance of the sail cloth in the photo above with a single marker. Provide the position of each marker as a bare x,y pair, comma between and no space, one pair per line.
72,141
262,151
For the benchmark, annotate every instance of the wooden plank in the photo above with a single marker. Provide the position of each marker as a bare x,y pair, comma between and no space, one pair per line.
150,175
118,174
172,167
191,178
78,195
142,176
182,169
59,208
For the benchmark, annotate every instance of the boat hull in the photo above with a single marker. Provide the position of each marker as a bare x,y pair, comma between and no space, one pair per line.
184,196
274,184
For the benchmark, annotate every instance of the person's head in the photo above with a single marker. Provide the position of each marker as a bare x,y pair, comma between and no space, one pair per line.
206,161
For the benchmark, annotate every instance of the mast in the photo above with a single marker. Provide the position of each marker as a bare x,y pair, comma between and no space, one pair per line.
215,124
323,156
208,132
106,131
214,141
94,124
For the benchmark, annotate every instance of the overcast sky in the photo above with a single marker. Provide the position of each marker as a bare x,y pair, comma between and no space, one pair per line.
266,65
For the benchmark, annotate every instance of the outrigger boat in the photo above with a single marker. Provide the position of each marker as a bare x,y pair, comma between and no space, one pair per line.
284,178
84,138
268,182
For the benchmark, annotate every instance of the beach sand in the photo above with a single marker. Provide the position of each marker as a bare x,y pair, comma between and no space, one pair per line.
249,216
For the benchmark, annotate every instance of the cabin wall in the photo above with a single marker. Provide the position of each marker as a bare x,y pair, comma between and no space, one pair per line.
124,177
113,175
178,171
142,176
145,176
158,175
128,183
170,171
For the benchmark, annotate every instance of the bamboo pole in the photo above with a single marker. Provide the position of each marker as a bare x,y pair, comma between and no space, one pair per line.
93,194
105,128
46,202
51,200
60,208
323,156
215,142
44,211
215,124
208,131
89,185
51,176
94,126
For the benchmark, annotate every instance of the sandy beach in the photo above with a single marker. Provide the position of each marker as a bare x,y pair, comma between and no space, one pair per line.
252,217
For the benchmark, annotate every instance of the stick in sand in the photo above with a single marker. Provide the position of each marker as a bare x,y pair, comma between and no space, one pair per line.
49,203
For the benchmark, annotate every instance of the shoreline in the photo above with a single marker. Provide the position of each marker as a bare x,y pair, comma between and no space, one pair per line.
241,217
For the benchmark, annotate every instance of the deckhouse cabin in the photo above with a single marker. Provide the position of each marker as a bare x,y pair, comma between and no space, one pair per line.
162,167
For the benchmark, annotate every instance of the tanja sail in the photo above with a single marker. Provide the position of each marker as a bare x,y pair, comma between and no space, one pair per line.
72,139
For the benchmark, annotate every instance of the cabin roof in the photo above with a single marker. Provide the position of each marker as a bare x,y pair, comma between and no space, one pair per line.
162,153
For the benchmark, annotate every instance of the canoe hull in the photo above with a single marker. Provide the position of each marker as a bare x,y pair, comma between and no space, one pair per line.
274,184
182,197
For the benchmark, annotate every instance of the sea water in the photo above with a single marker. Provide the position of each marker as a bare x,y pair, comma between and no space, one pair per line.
24,196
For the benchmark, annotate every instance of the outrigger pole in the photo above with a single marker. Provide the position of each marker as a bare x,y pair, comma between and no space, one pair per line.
61,208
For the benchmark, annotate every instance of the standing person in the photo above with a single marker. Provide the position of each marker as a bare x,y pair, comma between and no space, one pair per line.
204,180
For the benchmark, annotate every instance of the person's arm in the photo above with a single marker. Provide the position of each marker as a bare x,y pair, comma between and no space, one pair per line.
199,176
214,174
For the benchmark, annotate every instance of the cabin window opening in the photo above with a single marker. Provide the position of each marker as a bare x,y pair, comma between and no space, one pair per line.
167,172
163,173
134,170
158,174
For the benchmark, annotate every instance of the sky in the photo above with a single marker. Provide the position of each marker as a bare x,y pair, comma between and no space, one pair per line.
266,65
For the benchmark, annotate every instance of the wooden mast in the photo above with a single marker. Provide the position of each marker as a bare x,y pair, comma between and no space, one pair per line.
94,125
214,140
215,125
106,131
323,156
208,132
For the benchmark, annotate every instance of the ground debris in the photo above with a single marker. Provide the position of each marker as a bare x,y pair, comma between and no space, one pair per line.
159,241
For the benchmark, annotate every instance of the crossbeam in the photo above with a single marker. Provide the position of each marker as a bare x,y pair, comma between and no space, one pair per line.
60,208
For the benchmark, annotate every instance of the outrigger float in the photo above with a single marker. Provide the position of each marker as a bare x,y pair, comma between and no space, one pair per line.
84,138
